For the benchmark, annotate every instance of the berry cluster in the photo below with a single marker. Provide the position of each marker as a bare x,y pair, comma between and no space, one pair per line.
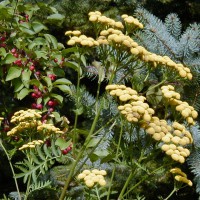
181,176
67,150
31,144
92,177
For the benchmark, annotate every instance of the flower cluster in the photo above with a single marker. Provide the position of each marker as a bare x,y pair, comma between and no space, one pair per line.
116,37
98,17
155,59
181,176
92,177
129,20
49,129
173,138
31,144
25,115
187,111
175,141
25,119
134,111
157,128
82,40
110,35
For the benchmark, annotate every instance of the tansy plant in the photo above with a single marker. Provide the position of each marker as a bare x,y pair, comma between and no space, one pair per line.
132,127
150,113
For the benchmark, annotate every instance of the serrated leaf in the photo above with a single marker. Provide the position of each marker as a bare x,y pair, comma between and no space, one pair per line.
34,82
25,178
23,169
93,142
54,150
40,153
36,42
57,97
9,59
23,93
63,144
34,177
69,50
59,72
45,167
35,159
13,73
26,74
62,81
27,30
56,16
47,151
37,26
52,40
64,88
57,116
42,170
18,85
2,52
101,153
19,175
48,81
74,66
41,54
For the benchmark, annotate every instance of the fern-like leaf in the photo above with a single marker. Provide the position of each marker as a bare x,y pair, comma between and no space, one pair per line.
41,160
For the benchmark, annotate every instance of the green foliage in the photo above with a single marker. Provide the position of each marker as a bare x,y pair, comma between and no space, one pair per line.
47,77
37,165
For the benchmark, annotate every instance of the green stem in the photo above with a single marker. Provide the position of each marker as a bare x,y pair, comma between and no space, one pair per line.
125,185
155,86
12,169
93,149
143,179
172,192
97,192
76,116
116,157
62,196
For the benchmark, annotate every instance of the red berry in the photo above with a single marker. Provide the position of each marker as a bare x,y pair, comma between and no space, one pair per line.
3,45
51,109
34,95
38,73
56,60
50,103
26,16
34,105
52,76
48,142
16,55
18,62
32,67
39,106
16,138
13,51
3,38
64,151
